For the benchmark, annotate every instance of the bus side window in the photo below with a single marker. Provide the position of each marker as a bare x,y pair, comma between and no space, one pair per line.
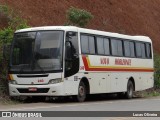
132,49
148,50
91,45
84,44
103,46
127,50
138,50
106,46
120,48
87,44
116,46
100,46
143,50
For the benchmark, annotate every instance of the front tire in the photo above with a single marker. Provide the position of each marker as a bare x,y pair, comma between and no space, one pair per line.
130,89
81,92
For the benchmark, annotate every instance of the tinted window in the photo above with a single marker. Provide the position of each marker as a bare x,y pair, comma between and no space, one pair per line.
114,45
120,49
148,50
143,50
117,49
126,48
87,44
138,49
100,45
84,44
91,45
106,47
132,48
71,67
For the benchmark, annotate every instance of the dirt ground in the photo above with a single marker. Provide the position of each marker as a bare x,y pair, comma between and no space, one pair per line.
135,17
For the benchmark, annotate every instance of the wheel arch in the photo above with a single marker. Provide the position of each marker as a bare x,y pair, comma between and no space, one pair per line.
86,82
133,81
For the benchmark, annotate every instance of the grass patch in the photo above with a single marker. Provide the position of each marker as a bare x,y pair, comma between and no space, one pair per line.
5,99
152,92
8,102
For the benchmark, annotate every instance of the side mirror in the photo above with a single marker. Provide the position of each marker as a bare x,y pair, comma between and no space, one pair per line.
68,51
6,51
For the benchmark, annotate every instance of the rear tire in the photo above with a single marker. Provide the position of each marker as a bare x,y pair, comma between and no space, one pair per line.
130,89
81,92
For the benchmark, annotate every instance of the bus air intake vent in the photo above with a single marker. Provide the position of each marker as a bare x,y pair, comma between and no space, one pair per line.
39,90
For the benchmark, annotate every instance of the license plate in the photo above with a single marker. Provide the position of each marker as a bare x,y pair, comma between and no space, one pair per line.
32,89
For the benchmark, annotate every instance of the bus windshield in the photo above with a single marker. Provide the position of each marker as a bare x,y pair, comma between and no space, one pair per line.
39,51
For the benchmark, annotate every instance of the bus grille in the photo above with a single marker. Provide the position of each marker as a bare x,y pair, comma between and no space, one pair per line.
39,90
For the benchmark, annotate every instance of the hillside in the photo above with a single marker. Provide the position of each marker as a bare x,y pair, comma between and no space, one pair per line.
134,17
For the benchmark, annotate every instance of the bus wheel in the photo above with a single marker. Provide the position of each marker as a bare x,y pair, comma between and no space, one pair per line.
81,92
130,89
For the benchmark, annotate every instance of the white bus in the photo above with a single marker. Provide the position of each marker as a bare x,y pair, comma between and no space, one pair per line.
71,61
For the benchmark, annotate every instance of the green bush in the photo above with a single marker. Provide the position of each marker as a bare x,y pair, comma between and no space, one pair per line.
78,17
15,22
6,35
157,70
4,10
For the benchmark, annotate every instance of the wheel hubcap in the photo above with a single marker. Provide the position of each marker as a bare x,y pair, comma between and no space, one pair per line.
130,90
81,91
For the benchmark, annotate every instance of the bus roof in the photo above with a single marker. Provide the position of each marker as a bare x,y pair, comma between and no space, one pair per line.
84,30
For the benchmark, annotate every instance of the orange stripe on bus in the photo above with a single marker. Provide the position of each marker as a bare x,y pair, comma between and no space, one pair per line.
88,67
11,77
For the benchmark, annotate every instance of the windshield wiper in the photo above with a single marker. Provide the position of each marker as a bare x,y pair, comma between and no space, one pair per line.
22,68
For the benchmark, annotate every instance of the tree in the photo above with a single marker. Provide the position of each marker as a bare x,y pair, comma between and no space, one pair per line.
78,17
6,35
15,22
157,70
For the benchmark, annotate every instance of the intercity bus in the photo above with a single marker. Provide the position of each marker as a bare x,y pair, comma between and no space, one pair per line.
61,61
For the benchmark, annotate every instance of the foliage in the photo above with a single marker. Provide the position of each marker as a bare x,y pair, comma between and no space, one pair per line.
4,9
78,17
15,22
157,70
6,35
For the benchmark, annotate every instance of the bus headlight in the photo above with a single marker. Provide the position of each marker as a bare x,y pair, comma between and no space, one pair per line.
54,81
13,82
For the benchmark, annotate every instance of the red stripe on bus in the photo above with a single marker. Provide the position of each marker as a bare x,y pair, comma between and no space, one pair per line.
87,68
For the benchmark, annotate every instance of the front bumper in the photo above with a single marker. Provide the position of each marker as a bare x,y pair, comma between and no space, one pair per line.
42,90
